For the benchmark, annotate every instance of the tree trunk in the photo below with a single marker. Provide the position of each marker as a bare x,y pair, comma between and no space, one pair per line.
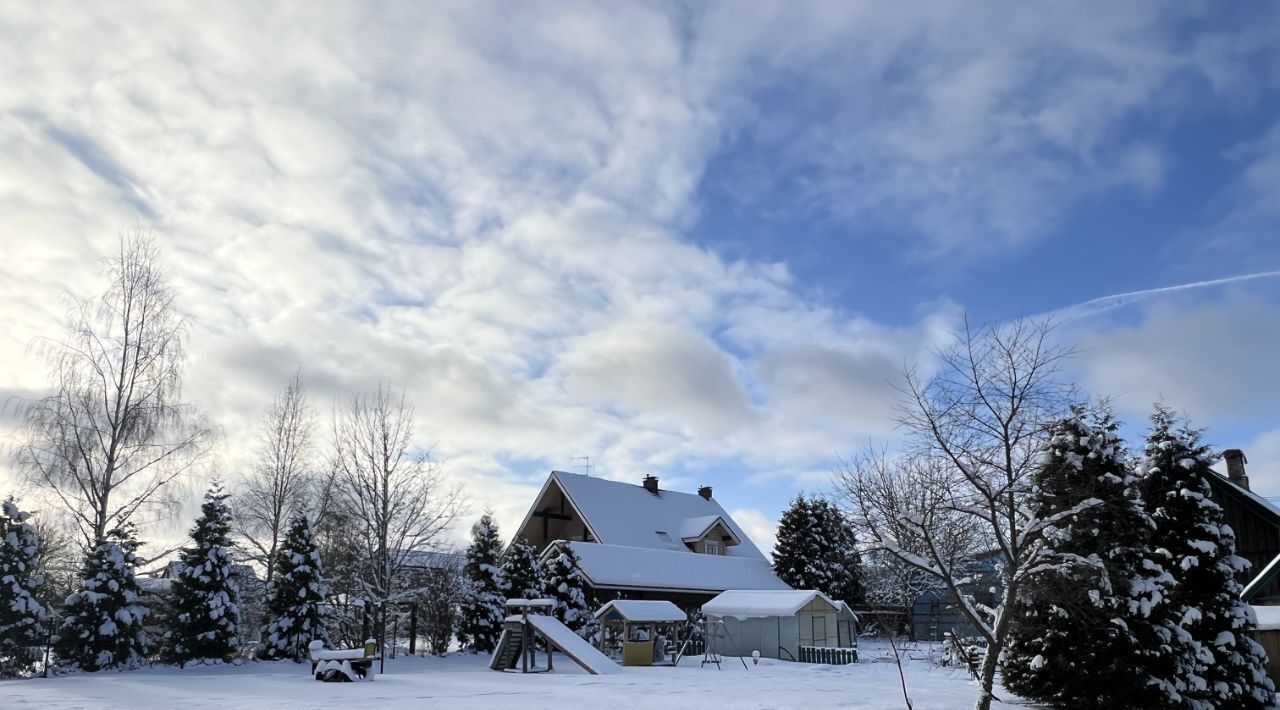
987,679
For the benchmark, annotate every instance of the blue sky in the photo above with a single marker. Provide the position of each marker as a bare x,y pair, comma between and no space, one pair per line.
693,240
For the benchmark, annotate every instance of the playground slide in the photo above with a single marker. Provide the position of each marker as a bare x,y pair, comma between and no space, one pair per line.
573,645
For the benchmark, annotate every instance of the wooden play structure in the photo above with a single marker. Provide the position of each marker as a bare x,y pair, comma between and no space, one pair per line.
343,665
525,631
642,632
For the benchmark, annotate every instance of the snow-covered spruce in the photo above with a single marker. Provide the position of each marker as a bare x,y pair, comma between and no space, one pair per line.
102,627
1215,663
566,584
21,616
1083,631
844,568
204,619
298,589
816,549
482,604
521,574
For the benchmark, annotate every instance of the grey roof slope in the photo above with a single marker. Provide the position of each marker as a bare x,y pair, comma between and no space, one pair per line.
619,566
628,515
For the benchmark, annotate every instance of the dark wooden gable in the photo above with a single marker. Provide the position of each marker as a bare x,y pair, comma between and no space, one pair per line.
1257,529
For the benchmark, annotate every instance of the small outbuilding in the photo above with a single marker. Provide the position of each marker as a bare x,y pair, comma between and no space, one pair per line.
641,632
793,625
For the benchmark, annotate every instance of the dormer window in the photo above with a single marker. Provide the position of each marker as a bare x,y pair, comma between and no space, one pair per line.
712,547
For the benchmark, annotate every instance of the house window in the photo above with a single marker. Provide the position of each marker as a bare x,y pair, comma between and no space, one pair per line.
712,547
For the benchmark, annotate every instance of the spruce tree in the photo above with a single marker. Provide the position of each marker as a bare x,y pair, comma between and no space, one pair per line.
566,584
204,623
794,551
21,616
837,542
1083,631
521,573
817,549
297,590
102,628
483,597
1215,662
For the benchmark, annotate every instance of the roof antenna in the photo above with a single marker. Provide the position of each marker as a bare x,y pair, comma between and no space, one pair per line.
586,467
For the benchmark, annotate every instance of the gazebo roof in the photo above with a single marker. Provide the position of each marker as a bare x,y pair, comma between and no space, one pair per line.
641,610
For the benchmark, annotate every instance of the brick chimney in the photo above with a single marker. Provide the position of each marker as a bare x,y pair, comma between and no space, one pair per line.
650,484
1235,467
705,492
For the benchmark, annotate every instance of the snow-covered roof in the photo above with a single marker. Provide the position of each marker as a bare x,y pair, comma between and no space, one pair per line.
643,610
619,566
1263,502
1268,617
754,604
155,585
432,559
530,603
629,515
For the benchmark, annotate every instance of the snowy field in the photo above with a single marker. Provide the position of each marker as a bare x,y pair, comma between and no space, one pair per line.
464,681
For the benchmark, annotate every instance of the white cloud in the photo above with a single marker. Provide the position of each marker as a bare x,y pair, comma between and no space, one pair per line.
974,127
485,204
1263,468
1212,359
426,197
762,529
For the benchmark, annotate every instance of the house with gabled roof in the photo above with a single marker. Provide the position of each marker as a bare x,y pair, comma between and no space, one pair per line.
646,542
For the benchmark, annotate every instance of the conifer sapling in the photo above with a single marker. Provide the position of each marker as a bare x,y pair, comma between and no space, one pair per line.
22,617
103,623
294,617
204,622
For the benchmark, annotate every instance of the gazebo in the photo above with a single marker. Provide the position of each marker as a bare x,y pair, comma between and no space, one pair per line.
639,632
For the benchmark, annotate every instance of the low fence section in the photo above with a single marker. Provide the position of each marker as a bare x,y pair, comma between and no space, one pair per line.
829,656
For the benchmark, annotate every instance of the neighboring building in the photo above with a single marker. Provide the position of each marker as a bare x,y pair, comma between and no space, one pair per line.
936,611
157,592
1255,521
644,542
433,562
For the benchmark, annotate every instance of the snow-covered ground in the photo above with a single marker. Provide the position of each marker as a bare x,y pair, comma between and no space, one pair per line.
464,681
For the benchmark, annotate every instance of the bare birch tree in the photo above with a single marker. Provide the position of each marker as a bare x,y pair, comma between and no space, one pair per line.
115,434
279,485
395,494
976,432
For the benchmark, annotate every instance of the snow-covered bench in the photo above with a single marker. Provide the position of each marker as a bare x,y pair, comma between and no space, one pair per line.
343,665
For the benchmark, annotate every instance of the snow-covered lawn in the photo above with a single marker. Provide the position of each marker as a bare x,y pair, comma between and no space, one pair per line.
464,681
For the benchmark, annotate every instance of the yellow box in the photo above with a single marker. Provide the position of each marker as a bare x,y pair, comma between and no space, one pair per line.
637,653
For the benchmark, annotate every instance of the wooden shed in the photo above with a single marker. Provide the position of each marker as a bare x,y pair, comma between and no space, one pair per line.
789,625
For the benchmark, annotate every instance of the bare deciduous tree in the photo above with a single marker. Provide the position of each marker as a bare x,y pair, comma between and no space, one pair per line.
395,495
893,498
976,432
280,483
115,433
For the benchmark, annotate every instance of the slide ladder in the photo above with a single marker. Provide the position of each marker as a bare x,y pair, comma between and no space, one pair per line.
507,654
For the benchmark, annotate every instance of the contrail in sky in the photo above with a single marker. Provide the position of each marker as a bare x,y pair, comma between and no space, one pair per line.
1106,303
